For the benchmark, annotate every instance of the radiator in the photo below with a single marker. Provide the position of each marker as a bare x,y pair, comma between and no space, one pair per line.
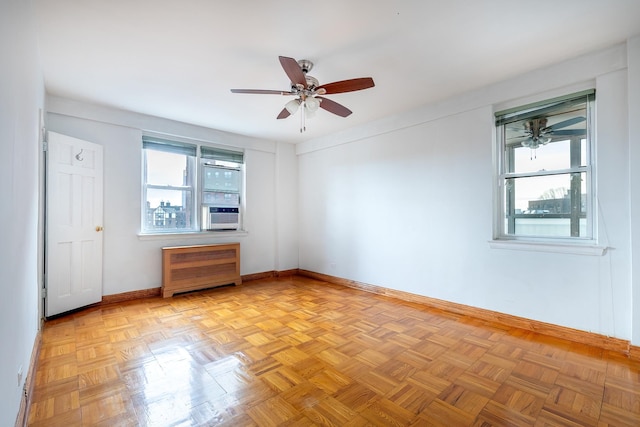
190,268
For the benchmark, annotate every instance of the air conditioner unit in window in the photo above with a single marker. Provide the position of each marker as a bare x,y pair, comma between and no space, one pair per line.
220,218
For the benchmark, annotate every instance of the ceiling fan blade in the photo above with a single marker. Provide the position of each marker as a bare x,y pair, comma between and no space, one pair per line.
334,107
569,132
566,123
293,70
283,114
262,91
348,85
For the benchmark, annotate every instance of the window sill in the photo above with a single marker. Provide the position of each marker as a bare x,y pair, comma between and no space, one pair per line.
195,235
563,248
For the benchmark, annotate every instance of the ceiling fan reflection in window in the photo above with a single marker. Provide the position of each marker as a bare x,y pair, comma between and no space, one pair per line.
537,133
308,91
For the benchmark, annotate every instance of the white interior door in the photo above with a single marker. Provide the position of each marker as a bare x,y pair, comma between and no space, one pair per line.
74,224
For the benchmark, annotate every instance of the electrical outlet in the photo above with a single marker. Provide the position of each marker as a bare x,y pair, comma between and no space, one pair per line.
20,376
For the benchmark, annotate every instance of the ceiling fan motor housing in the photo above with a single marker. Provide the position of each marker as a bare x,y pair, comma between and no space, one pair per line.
536,127
312,82
306,65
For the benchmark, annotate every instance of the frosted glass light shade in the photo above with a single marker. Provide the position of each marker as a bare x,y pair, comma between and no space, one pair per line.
292,106
312,103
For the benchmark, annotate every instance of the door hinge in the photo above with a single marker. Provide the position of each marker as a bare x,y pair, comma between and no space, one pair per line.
44,293
45,146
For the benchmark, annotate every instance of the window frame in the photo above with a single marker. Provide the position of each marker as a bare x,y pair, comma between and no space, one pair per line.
503,235
203,152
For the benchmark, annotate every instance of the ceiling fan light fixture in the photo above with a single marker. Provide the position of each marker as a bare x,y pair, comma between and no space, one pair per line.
535,142
292,106
312,103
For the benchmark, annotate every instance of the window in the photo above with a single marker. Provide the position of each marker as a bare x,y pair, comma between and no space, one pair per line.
221,188
545,171
172,189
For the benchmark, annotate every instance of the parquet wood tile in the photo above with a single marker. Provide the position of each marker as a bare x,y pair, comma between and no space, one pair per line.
298,352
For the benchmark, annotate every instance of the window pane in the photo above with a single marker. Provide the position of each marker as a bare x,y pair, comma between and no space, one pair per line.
552,156
221,179
547,206
166,168
168,210
220,199
530,193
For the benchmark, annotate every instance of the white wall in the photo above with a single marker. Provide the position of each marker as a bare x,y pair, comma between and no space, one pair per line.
286,208
634,182
21,98
132,262
406,203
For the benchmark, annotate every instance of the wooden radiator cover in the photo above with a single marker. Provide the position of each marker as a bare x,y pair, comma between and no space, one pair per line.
189,268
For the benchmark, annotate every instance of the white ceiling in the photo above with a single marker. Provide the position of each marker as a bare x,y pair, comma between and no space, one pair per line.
178,58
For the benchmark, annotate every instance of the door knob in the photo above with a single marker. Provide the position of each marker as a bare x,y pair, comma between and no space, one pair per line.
99,228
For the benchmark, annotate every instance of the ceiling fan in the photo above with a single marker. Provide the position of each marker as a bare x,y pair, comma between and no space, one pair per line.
307,91
536,131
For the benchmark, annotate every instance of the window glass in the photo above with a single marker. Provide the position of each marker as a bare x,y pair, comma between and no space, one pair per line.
166,168
217,198
172,205
533,160
223,179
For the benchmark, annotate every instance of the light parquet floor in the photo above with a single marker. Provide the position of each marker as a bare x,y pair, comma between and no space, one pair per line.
298,352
